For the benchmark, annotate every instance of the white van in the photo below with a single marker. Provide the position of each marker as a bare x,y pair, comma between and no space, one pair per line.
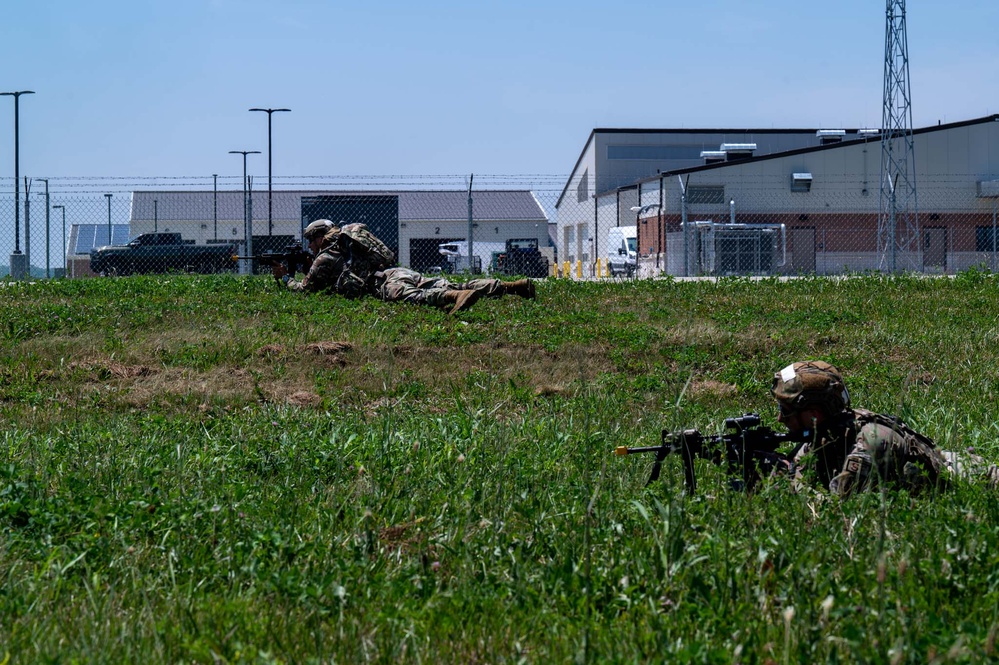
622,250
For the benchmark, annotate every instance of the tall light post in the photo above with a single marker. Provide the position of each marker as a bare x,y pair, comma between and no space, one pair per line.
63,208
247,223
47,209
18,262
108,196
270,209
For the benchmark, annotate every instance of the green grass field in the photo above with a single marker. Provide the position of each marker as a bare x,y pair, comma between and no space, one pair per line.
210,470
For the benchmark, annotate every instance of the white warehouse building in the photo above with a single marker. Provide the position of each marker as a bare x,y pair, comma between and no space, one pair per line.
813,208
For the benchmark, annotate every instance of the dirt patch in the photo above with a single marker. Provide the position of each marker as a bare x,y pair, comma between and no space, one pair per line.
365,375
304,398
712,389
271,351
327,348
402,536
103,369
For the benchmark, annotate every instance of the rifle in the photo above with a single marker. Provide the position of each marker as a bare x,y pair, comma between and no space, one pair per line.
293,257
748,449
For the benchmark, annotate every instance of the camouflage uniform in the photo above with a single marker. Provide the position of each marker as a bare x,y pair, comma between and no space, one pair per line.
326,273
853,450
410,286
860,449
352,262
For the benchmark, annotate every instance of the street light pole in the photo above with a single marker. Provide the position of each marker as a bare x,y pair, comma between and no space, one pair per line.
109,217
270,208
247,223
63,208
17,176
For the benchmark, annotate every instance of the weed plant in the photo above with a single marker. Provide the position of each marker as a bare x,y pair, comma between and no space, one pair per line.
210,470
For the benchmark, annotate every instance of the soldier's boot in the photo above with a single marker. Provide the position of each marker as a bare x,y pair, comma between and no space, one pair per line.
522,287
462,300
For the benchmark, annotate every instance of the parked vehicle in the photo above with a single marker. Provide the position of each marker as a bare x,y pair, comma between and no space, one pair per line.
622,250
161,252
521,256
455,256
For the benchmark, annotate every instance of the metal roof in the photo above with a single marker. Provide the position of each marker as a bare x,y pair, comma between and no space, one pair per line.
862,138
414,205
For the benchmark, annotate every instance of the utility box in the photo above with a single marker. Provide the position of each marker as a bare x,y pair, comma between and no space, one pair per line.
727,249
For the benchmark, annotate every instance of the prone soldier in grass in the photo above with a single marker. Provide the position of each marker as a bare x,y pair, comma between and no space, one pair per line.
852,450
350,261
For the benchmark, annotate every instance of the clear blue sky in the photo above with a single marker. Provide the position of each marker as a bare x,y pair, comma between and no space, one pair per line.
162,88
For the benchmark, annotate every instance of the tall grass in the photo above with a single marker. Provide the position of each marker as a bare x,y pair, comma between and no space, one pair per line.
210,470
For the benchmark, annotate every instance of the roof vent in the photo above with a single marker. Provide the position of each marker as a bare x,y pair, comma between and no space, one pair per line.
868,133
737,150
713,156
988,189
827,136
801,182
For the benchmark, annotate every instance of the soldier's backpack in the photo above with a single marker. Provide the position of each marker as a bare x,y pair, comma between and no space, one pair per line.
363,250
918,446
894,422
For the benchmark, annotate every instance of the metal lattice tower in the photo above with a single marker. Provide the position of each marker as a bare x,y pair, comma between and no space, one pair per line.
898,218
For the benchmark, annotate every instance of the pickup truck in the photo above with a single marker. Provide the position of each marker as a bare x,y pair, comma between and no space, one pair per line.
161,252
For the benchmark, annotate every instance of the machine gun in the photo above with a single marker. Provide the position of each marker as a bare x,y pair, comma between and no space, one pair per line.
748,449
292,256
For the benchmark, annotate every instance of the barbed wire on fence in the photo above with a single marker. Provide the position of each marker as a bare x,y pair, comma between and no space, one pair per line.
755,226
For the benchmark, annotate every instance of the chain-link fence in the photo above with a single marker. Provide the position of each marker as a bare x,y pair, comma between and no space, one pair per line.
524,225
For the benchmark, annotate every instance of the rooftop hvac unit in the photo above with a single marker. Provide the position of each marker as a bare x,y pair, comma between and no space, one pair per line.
868,133
827,136
713,156
737,150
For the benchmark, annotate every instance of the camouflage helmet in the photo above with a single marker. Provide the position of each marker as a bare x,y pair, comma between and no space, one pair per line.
317,229
811,383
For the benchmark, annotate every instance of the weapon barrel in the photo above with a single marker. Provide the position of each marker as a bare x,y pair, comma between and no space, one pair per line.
625,450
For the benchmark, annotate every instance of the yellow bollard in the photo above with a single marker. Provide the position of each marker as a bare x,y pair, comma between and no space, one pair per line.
566,271
579,269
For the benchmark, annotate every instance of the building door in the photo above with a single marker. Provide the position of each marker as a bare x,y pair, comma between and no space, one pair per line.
380,212
935,248
802,250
